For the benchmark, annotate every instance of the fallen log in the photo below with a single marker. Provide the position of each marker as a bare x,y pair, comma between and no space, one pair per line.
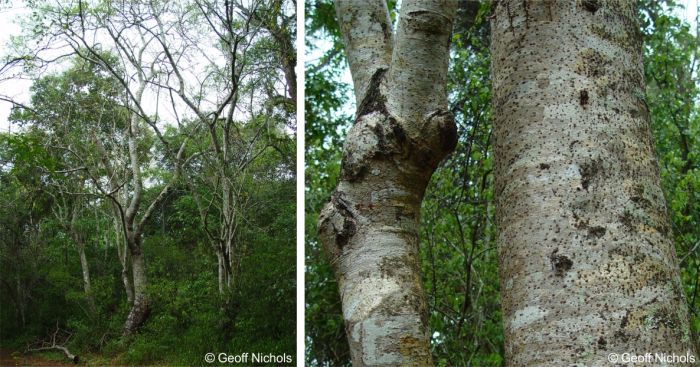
61,348
44,345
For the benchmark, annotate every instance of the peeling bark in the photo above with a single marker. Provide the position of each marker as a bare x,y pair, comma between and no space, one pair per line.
402,131
587,260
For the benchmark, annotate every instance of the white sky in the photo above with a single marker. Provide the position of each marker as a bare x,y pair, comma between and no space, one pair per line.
18,89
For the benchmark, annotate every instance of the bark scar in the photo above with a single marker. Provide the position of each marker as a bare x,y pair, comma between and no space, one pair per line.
373,100
591,5
560,263
349,226
583,98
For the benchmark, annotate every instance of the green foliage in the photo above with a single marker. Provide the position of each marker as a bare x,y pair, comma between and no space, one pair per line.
189,317
671,55
55,165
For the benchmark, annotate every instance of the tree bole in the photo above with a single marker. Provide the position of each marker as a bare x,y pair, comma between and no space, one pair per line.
587,259
402,131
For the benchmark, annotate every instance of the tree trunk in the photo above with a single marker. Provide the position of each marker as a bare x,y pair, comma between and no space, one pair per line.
21,304
225,273
222,272
141,308
587,260
402,131
80,245
124,260
86,277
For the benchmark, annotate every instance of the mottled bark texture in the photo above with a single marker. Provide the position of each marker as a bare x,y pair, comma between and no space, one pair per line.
401,132
140,309
587,260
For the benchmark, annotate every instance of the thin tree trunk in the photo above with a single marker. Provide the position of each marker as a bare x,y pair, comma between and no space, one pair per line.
128,287
21,305
80,245
223,276
228,266
587,260
86,277
402,130
124,260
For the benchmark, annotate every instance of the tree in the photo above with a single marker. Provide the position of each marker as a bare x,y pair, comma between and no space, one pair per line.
250,70
106,160
402,130
587,260
142,94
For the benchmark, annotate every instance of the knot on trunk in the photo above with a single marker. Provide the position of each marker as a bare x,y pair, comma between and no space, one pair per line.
440,132
378,135
336,225
381,137
560,263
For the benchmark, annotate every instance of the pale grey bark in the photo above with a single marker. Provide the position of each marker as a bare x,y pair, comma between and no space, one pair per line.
402,131
587,259
124,260
222,272
368,39
141,308
87,287
80,246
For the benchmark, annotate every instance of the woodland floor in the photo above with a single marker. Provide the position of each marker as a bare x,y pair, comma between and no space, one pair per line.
9,358
16,359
